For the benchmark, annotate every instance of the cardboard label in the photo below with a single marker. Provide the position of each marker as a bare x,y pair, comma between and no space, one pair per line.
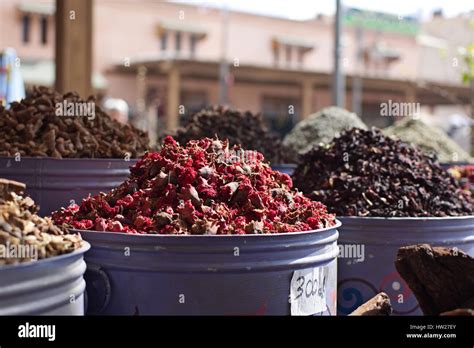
308,291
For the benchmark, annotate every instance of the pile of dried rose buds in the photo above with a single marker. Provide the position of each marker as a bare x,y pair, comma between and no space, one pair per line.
204,187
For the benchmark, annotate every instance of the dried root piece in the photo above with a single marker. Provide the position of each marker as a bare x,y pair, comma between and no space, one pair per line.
379,305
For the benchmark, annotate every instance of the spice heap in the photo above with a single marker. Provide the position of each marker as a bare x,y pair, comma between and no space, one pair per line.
365,173
24,236
48,124
321,128
204,187
465,176
240,128
430,139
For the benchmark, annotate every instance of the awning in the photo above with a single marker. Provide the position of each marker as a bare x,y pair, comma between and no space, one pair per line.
181,26
431,41
299,42
428,92
42,8
381,50
42,72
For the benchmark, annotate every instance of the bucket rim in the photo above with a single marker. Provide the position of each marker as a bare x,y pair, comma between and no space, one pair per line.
78,159
217,236
452,164
82,250
407,218
283,165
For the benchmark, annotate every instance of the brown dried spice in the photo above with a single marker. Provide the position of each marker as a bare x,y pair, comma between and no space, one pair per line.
239,127
20,226
32,128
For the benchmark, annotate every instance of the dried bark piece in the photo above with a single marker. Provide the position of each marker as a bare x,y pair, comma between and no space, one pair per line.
459,312
442,279
19,225
7,186
379,305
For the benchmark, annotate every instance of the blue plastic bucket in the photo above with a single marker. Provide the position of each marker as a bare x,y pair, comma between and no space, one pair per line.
53,286
55,183
447,165
284,168
211,275
359,279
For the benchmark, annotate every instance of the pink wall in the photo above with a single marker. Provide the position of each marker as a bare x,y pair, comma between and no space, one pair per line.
126,29
11,32
132,33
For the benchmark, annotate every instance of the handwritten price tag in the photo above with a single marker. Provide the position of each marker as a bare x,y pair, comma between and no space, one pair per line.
308,291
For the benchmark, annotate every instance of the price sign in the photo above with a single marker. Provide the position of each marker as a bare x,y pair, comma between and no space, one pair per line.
308,291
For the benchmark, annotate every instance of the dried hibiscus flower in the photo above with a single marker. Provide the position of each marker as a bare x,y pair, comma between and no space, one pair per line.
204,187
366,173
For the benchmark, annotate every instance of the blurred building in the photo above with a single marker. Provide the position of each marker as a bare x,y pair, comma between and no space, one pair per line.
163,58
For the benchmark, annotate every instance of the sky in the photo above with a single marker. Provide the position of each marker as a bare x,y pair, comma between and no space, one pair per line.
306,9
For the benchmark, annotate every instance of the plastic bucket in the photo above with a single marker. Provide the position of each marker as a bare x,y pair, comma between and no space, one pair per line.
284,168
360,278
55,183
53,286
209,275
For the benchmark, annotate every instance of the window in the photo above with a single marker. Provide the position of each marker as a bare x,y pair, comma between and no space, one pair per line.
288,54
280,113
276,54
163,40
26,28
193,101
371,115
44,30
178,41
300,57
192,45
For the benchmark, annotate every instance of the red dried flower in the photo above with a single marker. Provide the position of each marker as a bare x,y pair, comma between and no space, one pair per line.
204,187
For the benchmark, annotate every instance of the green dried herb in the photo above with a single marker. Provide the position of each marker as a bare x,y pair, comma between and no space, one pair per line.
430,139
321,128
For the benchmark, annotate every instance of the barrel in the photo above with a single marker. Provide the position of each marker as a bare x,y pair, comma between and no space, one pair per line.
284,168
277,274
52,286
368,249
54,183
447,165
